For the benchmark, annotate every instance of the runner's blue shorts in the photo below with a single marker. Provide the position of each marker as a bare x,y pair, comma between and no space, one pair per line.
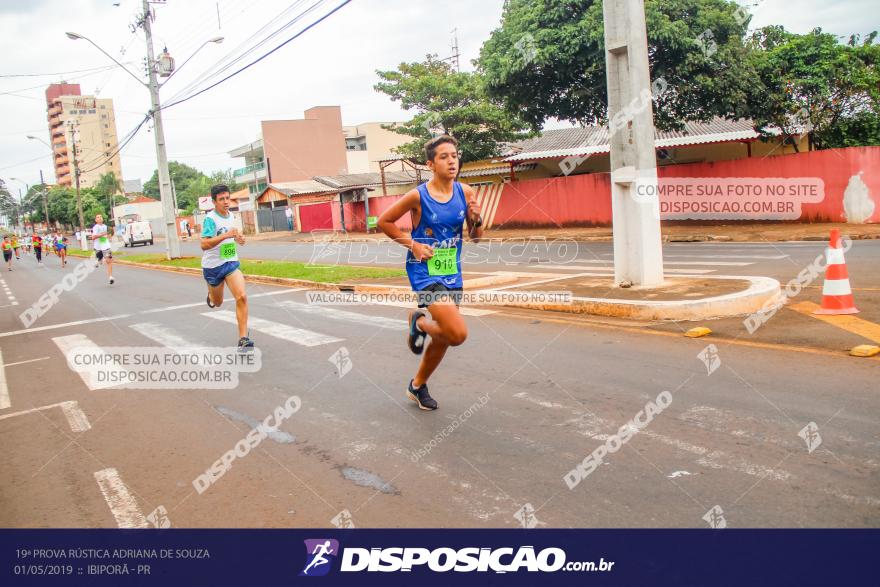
215,275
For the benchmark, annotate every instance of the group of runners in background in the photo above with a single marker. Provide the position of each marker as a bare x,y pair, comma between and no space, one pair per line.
56,243
49,243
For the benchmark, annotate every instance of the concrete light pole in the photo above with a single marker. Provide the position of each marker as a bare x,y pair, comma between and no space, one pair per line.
638,255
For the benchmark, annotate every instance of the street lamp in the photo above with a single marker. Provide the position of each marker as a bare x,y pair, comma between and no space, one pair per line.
169,213
217,40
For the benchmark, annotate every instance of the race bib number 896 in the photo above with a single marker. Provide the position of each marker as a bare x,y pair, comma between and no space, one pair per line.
227,251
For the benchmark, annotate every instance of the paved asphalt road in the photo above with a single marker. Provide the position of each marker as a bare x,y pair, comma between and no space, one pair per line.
522,402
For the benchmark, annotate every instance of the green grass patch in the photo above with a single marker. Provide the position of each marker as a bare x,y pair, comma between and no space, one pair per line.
289,269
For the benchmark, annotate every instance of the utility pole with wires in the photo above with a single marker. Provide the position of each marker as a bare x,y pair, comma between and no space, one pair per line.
45,198
74,132
166,195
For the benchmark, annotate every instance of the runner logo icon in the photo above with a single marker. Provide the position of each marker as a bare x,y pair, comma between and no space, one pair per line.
320,555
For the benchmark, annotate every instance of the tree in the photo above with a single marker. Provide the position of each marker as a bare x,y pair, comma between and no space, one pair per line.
547,59
226,177
190,183
814,84
181,176
450,102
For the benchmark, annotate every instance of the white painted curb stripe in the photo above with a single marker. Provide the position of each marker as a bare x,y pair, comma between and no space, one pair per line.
76,418
122,504
5,402
343,315
836,287
298,336
834,256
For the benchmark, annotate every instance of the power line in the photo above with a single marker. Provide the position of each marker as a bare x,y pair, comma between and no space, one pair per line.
254,62
120,145
233,56
103,67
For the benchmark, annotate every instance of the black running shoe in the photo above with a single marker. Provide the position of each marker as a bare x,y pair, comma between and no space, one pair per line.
208,301
415,338
421,397
245,345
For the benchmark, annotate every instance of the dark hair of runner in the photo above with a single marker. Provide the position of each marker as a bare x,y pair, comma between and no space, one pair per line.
218,189
431,146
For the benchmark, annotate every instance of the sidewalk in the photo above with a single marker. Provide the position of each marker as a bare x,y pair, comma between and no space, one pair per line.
757,232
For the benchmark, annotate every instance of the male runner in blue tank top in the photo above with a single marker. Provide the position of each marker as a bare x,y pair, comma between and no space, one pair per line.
438,210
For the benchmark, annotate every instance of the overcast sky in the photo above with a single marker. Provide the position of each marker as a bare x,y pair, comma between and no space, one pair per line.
333,63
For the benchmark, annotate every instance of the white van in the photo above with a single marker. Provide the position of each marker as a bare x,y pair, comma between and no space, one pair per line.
137,233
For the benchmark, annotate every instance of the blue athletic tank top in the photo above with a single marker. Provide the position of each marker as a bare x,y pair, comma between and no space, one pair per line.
440,226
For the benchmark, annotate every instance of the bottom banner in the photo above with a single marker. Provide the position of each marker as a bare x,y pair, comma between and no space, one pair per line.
438,557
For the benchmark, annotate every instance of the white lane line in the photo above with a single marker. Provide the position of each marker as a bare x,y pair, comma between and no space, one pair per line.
28,361
5,402
76,418
120,316
121,502
611,269
774,257
30,411
225,301
65,325
164,336
298,336
343,315
82,342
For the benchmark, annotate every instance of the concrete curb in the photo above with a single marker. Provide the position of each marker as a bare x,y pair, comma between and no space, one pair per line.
760,291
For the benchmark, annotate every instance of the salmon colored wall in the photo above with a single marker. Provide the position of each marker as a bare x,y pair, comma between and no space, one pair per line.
303,149
355,219
585,200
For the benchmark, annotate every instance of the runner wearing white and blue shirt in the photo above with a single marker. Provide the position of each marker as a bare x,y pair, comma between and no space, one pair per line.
439,209
220,266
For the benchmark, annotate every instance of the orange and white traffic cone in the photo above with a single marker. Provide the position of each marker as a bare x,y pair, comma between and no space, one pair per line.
837,295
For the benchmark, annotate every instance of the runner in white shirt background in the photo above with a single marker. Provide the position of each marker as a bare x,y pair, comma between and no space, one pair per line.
101,236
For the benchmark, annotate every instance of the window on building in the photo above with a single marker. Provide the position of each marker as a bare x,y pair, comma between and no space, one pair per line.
91,111
103,106
104,116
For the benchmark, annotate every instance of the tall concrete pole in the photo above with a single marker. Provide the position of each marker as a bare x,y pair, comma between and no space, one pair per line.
638,256
172,242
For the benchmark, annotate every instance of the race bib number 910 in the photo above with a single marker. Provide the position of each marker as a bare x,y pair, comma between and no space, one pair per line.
443,262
